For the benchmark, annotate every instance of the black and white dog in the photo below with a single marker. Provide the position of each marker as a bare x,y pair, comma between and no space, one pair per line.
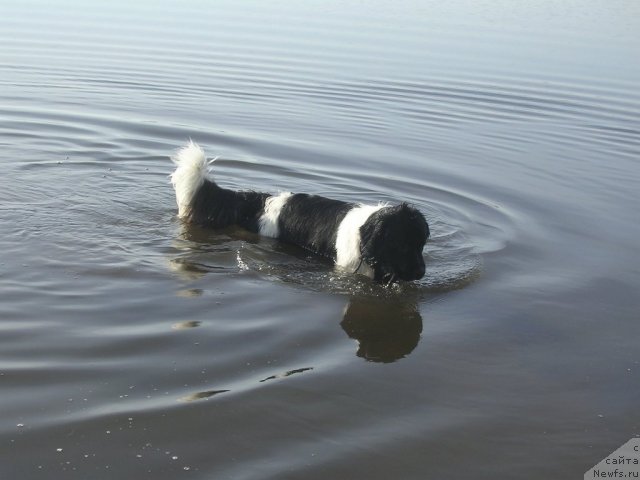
383,242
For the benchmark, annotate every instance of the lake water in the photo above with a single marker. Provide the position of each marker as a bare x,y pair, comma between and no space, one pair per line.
135,347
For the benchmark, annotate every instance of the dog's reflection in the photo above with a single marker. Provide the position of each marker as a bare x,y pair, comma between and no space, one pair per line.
386,329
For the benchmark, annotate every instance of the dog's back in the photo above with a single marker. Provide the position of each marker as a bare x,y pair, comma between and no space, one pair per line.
382,242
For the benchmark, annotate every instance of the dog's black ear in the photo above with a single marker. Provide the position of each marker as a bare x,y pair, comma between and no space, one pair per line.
416,217
370,234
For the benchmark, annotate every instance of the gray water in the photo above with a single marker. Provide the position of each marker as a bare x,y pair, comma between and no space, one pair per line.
135,347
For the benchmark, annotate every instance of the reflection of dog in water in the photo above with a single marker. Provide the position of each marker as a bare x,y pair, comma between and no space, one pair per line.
387,327
382,242
386,330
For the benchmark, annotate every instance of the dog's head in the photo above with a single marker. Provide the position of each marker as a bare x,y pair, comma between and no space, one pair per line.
391,243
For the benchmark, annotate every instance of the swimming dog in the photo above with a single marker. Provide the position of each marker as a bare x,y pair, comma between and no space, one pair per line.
380,241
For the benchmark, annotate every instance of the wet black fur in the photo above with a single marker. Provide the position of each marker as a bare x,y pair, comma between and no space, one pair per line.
216,207
391,243
392,238
312,222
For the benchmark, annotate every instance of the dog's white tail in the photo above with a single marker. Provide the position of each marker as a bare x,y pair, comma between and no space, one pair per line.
189,175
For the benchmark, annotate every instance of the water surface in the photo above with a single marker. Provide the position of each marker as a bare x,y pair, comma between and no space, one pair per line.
134,346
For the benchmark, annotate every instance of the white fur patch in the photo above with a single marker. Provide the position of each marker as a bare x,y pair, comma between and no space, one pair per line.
268,223
189,175
348,239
